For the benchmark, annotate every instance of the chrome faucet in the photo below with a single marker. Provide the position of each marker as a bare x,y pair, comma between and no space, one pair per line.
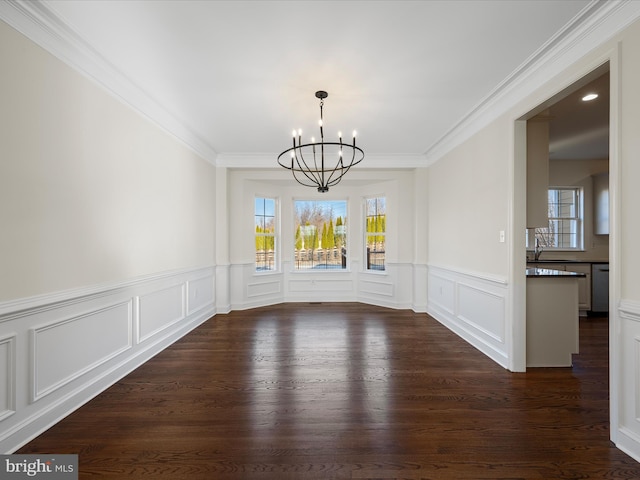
538,251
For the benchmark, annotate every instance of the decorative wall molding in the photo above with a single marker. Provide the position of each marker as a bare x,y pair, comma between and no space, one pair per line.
222,288
442,293
473,298
629,310
265,287
66,349
597,23
473,307
383,287
247,289
38,22
393,289
636,382
627,340
14,309
159,310
470,274
320,285
420,288
628,442
200,293
7,376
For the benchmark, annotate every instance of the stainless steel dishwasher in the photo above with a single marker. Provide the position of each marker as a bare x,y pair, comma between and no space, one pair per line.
600,287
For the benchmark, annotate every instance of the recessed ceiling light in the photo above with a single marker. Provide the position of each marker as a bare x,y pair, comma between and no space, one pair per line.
589,97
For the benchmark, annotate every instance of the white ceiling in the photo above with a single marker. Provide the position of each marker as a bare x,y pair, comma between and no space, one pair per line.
579,130
240,75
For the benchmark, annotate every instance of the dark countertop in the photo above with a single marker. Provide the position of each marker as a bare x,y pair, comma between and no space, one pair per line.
547,272
567,261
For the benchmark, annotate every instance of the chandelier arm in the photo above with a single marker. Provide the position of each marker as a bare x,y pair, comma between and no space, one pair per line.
333,172
296,168
322,171
353,162
340,166
306,171
307,174
344,168
310,173
302,180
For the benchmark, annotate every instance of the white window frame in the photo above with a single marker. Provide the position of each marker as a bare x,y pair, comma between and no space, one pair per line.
366,263
317,268
546,239
276,237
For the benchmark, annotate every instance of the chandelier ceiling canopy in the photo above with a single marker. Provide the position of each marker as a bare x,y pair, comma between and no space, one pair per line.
320,164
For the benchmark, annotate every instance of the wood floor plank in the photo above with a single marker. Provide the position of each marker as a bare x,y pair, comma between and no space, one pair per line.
345,391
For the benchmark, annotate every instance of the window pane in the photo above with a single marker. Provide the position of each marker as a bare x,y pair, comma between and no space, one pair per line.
565,221
265,240
375,226
563,203
320,234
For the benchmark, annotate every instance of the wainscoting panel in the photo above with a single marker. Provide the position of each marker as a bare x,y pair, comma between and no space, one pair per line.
376,287
442,293
59,350
314,285
636,379
159,310
7,376
248,289
67,349
264,288
471,305
222,288
482,310
201,294
628,339
420,285
392,288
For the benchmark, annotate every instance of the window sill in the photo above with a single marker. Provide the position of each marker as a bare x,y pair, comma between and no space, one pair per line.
321,271
262,273
376,272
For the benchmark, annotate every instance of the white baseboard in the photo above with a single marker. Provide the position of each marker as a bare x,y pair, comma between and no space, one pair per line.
473,306
59,351
627,350
629,442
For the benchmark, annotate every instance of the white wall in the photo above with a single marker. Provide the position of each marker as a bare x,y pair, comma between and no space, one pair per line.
468,265
92,191
107,244
464,218
625,289
467,200
393,288
113,222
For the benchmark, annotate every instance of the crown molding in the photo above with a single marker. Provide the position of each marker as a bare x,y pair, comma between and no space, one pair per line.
371,161
39,23
597,23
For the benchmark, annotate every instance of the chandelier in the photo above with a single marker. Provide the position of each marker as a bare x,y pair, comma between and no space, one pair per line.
320,164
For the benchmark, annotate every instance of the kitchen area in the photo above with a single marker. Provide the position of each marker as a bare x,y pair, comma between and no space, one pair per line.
567,271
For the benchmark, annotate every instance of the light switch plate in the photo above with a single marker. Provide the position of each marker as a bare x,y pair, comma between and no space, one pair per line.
501,236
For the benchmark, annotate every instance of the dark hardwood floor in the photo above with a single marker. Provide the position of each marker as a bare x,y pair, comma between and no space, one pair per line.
342,391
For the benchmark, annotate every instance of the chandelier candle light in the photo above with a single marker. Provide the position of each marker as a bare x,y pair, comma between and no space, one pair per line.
320,164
